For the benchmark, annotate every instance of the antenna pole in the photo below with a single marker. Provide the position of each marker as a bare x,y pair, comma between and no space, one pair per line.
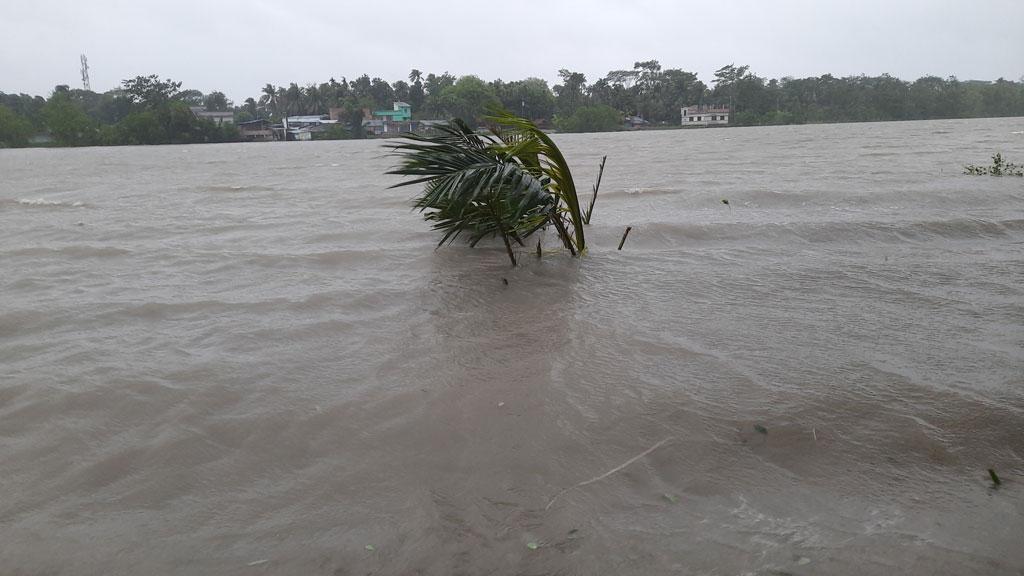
85,73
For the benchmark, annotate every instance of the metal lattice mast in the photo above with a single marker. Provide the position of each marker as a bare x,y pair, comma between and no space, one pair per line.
85,73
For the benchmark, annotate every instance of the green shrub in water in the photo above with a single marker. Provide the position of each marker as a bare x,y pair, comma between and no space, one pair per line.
999,167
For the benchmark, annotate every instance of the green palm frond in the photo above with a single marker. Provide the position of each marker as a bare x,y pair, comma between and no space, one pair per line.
549,159
508,185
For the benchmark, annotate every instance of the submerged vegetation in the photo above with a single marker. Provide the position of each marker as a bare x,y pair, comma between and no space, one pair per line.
509,183
999,167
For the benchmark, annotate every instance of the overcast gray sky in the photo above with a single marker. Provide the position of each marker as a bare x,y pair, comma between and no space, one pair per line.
237,46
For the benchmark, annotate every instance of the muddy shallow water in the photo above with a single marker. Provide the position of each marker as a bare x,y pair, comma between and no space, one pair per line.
249,359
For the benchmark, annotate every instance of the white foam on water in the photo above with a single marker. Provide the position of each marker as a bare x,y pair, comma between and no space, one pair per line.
45,202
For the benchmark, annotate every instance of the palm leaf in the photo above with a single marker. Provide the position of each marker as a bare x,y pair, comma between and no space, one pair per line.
544,153
477,186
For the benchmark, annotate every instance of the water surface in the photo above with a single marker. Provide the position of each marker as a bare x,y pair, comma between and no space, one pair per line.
249,359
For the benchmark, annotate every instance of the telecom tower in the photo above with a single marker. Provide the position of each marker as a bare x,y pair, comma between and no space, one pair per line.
85,73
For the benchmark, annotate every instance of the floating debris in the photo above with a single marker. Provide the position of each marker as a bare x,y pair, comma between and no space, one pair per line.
671,498
995,477
760,429
532,545
608,473
369,547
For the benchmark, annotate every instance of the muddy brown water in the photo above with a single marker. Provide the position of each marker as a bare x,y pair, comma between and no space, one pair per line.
250,359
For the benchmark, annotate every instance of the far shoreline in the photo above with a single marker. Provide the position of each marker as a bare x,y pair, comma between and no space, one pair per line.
652,129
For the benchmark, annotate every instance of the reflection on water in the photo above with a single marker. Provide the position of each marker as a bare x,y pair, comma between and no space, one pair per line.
237,359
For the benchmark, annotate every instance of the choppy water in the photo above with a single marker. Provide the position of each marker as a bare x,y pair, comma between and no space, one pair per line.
249,359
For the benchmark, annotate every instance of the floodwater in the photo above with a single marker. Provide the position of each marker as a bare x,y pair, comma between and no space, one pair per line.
250,359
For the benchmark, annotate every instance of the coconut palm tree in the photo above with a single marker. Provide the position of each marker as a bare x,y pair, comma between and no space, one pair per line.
269,98
314,100
291,100
509,184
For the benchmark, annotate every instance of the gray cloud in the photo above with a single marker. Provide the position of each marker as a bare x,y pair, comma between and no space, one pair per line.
239,46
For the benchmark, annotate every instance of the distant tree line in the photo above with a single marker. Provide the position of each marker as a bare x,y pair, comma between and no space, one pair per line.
144,110
148,110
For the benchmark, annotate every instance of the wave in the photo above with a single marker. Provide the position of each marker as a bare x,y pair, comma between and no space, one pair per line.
210,308
223,188
72,251
641,192
830,232
43,202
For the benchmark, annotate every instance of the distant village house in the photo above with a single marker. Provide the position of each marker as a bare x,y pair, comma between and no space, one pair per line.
256,130
635,122
301,128
394,121
218,118
402,112
704,115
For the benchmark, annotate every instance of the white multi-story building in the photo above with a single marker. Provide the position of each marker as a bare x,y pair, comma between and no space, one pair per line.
704,115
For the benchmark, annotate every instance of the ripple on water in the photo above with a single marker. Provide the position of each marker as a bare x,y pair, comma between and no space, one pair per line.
261,358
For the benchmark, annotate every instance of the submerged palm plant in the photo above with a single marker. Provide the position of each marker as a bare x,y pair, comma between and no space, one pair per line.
509,184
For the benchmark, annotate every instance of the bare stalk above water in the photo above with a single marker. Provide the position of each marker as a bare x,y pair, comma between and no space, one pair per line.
593,199
624,234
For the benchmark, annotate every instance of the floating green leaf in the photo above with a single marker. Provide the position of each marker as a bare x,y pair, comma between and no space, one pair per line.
760,429
370,547
995,477
532,545
671,498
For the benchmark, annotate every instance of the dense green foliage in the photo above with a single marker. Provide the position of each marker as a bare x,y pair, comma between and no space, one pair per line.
600,118
468,99
646,90
145,110
656,94
14,130
509,184
68,124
